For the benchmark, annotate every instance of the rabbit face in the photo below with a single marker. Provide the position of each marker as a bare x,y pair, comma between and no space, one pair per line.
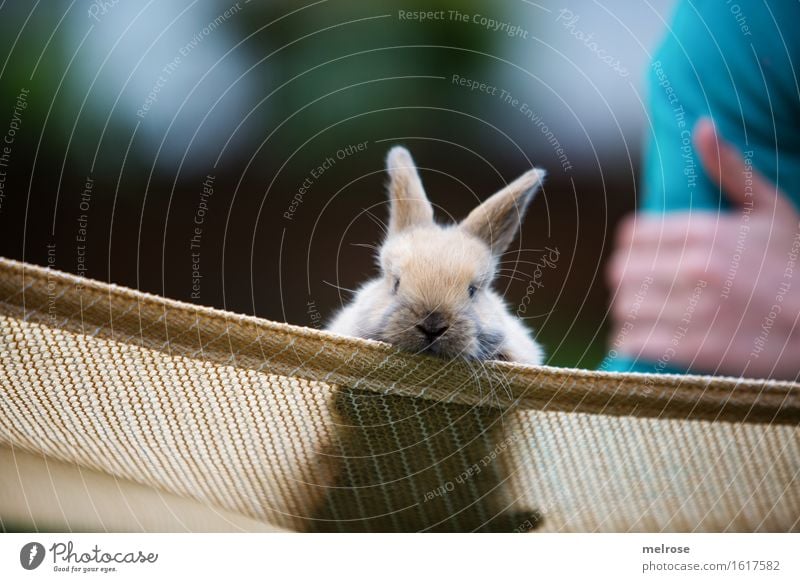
434,293
436,278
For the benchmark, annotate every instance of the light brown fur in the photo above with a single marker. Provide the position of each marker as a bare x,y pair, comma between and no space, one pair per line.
436,280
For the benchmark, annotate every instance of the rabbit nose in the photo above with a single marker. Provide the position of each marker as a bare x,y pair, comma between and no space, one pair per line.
433,326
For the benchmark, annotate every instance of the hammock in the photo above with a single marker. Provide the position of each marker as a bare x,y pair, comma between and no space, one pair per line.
126,411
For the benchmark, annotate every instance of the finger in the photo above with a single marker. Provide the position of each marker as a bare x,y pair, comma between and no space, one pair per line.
643,309
741,183
667,344
674,227
667,263
626,228
641,340
656,300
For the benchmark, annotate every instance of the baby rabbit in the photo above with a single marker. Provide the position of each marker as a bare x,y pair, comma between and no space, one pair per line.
434,294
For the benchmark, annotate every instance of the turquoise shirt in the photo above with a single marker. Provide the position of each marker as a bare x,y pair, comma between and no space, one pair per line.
737,62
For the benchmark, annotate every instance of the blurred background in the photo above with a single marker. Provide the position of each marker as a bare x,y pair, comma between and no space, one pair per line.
231,153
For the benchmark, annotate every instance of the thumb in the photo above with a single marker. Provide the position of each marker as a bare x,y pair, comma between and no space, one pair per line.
741,183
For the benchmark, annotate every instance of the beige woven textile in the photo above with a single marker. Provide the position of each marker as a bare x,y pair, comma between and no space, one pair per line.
274,426
42,494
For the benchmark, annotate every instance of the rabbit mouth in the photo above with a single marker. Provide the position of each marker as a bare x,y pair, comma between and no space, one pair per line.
442,345
442,348
439,347
450,339
487,347
433,348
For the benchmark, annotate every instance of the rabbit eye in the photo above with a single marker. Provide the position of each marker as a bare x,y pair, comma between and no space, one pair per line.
472,290
396,284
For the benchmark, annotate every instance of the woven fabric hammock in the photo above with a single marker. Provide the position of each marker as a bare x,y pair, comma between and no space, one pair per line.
125,411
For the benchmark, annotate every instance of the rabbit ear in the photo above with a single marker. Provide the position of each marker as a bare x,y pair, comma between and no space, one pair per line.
409,205
497,219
